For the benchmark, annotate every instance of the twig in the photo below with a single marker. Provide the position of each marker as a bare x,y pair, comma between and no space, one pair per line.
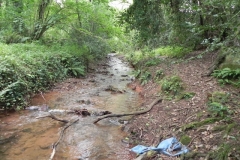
191,141
128,114
43,97
182,109
60,137
140,133
189,118
209,79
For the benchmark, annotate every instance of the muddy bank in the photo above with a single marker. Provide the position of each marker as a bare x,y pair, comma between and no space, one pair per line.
25,137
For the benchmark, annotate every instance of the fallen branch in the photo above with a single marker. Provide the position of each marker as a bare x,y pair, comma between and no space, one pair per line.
128,114
60,137
55,118
191,141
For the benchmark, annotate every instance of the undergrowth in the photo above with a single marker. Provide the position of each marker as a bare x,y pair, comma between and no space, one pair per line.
172,85
26,69
172,51
228,76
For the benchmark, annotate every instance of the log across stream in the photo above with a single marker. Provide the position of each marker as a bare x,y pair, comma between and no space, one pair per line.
29,138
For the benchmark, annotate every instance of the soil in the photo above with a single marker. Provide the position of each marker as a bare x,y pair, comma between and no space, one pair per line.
170,117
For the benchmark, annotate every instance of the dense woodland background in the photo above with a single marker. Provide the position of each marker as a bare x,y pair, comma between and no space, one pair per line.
45,41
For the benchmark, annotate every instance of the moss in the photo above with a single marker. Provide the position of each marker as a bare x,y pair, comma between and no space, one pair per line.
199,114
186,95
221,153
199,124
219,97
232,59
219,128
192,156
229,128
185,139
229,65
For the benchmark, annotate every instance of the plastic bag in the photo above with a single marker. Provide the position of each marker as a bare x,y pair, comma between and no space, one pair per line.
166,147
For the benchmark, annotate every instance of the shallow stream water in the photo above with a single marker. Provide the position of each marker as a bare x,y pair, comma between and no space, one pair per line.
23,137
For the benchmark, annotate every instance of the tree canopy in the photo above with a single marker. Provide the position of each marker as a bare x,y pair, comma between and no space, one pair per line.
184,22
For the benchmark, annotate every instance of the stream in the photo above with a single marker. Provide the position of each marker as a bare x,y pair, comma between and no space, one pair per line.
24,137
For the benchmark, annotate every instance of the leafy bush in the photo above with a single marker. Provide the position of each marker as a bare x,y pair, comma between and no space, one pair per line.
187,95
145,77
228,76
152,62
172,51
29,68
172,85
217,104
217,109
159,74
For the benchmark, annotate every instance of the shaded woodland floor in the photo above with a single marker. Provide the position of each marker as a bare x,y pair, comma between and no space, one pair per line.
209,135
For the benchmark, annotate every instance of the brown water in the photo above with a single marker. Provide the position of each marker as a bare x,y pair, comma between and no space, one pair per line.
23,137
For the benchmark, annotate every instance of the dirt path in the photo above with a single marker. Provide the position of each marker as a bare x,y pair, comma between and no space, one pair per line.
170,117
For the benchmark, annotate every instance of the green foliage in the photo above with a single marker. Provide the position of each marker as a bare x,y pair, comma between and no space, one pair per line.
94,27
137,73
13,95
216,104
194,125
172,85
186,95
212,24
227,73
222,152
185,139
228,76
172,51
29,68
219,97
145,77
141,16
159,74
152,62
217,109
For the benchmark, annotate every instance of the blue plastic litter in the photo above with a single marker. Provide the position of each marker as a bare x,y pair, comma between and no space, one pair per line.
165,147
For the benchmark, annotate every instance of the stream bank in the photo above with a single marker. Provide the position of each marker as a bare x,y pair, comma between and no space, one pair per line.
210,133
25,137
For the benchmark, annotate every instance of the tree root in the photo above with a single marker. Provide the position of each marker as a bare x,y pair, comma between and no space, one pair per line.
128,114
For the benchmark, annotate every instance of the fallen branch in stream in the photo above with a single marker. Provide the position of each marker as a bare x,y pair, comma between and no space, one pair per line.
60,137
133,113
55,118
68,123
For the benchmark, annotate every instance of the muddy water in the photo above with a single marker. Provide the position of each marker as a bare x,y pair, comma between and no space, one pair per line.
24,137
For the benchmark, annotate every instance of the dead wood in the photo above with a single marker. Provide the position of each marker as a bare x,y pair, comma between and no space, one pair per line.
114,89
133,113
60,137
55,118
215,65
82,112
191,141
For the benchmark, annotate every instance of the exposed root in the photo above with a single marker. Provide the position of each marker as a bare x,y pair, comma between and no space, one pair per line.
133,113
